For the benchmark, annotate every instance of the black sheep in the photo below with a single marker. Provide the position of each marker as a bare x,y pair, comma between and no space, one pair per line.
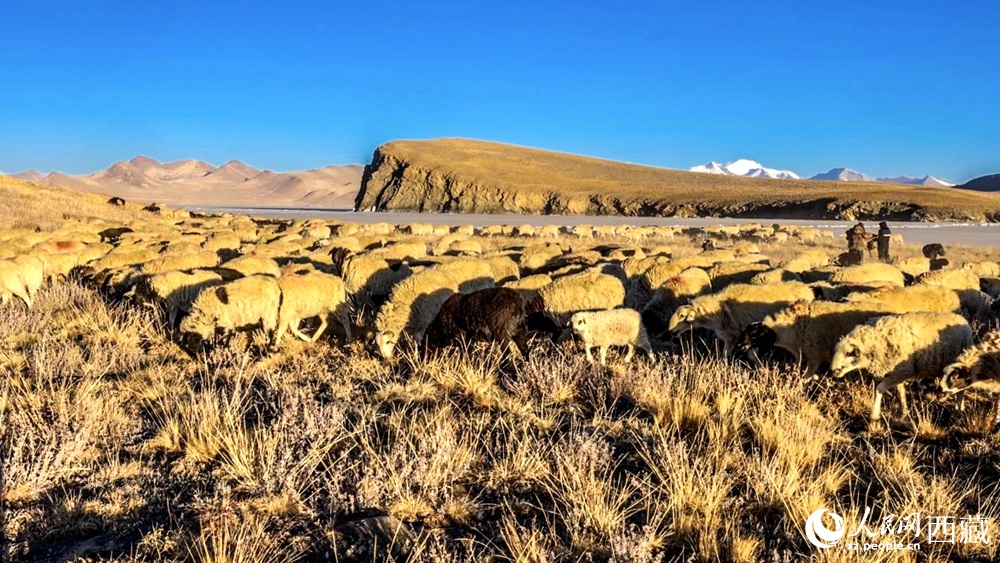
117,201
495,314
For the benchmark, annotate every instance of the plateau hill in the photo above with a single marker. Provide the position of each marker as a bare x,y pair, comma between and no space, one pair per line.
461,175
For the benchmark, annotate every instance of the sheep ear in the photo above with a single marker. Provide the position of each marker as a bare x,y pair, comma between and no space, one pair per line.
223,295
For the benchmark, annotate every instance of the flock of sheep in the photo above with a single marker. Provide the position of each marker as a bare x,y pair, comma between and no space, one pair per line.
425,285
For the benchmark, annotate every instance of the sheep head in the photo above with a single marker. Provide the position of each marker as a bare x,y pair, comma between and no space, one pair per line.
849,355
386,342
682,320
958,377
579,323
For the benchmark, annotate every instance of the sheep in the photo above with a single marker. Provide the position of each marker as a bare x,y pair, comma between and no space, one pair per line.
676,291
238,305
175,291
912,299
808,330
116,201
251,265
411,307
503,269
912,266
866,273
528,286
493,314
774,276
990,286
31,270
728,312
614,327
444,243
587,291
366,276
728,273
12,284
897,348
313,294
977,367
983,269
204,259
933,251
410,249
952,279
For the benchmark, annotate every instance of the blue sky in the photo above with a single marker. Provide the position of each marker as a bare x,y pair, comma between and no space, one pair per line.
805,86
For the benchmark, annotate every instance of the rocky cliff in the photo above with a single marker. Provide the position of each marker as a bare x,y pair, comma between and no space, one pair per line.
458,175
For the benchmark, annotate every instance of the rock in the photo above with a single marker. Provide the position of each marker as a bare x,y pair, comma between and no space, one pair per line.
467,176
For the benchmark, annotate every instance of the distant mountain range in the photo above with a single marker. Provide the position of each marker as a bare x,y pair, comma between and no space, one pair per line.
988,183
753,169
744,167
198,183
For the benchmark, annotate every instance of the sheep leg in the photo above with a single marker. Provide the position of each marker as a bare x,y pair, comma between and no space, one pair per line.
628,354
294,327
877,405
319,331
902,399
346,321
961,401
282,327
604,355
881,389
590,357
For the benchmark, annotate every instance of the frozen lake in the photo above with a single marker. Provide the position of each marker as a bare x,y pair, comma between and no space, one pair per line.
971,234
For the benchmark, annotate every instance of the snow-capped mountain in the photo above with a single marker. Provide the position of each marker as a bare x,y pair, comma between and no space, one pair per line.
744,167
842,175
929,181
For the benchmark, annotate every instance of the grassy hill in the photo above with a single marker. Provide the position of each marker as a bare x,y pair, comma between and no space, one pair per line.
27,205
478,176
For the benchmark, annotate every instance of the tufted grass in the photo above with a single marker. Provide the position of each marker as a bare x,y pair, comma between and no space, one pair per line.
140,454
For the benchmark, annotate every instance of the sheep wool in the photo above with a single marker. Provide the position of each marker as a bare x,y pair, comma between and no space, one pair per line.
176,291
252,265
977,367
897,348
867,273
313,294
614,327
411,307
586,291
728,312
913,298
240,304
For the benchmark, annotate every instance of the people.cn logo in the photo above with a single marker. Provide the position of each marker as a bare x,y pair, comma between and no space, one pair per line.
819,535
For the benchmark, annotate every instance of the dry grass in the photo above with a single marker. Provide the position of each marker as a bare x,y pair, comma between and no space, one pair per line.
531,177
142,455
32,206
116,446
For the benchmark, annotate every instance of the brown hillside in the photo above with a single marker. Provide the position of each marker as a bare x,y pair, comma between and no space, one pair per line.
462,175
27,205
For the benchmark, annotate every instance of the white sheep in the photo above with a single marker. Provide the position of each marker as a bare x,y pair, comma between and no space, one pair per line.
897,348
587,291
175,291
411,308
809,330
251,265
867,273
244,303
614,327
913,298
728,312
314,294
12,284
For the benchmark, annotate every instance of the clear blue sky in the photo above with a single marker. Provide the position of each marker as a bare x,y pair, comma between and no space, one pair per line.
884,87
